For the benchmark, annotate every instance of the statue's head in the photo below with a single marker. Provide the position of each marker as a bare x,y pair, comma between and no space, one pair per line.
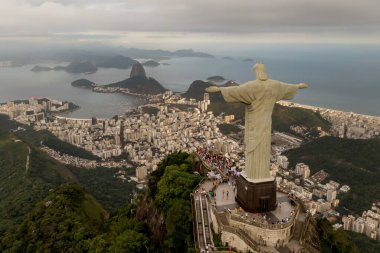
260,72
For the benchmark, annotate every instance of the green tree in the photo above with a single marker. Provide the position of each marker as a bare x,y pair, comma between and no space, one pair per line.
129,241
176,158
175,183
179,226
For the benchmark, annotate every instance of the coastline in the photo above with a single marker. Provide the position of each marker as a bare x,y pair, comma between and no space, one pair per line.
99,89
318,108
284,103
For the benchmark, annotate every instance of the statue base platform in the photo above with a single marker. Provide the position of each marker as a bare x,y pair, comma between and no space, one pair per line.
256,196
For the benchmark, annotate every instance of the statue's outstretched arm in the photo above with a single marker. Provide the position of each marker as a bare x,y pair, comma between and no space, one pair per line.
288,91
302,85
299,86
213,89
240,93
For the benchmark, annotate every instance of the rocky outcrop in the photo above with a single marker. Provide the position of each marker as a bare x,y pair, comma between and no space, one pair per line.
137,70
152,217
139,83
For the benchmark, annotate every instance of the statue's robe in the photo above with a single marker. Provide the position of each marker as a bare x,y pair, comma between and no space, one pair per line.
259,97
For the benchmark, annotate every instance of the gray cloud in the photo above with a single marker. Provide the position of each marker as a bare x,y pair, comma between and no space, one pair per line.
20,17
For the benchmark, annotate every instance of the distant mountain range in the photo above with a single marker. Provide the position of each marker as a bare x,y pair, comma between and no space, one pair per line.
101,55
88,62
117,62
73,67
158,53
96,54
216,79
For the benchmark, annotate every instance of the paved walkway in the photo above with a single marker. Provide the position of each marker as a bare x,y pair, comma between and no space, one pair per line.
222,201
284,207
225,197
206,186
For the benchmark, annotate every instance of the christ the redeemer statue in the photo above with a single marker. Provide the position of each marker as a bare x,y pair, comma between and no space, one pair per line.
259,96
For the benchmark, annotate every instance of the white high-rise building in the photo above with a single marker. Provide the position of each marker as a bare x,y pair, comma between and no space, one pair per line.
206,98
331,195
303,170
359,225
348,222
306,172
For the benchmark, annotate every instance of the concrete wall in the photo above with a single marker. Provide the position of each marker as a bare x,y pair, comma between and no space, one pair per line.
214,221
271,237
235,241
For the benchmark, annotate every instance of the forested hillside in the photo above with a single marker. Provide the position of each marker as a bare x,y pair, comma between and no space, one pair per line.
352,162
26,176
47,207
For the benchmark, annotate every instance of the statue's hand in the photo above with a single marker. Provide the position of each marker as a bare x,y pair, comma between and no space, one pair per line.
303,85
212,89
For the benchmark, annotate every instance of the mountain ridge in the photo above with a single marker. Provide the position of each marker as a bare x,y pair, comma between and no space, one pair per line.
74,67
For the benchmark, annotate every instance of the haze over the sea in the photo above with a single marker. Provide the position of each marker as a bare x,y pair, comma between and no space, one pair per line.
332,45
340,77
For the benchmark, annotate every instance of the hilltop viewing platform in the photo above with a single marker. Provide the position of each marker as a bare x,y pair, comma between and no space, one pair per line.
271,231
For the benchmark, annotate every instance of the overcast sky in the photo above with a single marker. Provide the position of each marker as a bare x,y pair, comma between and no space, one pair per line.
175,23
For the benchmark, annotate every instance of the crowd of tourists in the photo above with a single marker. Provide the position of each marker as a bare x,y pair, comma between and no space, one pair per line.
223,166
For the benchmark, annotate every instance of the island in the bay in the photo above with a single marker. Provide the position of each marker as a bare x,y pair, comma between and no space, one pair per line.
83,83
137,84
151,63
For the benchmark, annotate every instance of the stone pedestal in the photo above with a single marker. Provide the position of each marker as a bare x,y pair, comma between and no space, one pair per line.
256,196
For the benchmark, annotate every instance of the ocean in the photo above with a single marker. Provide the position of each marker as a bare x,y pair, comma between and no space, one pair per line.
341,77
